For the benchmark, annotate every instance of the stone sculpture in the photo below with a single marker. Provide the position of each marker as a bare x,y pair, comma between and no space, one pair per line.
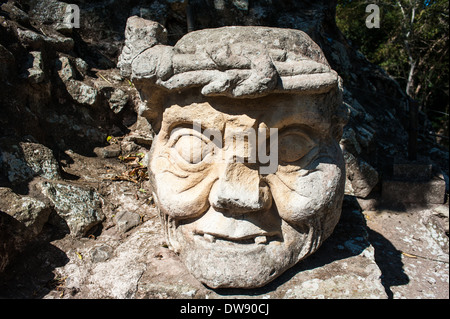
238,216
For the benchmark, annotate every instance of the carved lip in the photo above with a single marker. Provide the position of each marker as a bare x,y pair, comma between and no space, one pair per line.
258,238
256,227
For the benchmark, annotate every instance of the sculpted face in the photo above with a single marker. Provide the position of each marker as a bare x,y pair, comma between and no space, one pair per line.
232,225
245,170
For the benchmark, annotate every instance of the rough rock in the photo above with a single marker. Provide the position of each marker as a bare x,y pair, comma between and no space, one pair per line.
117,98
436,220
127,220
413,171
140,34
15,13
50,12
101,253
12,239
361,177
34,68
64,68
413,262
109,151
31,212
36,41
21,161
82,92
21,220
80,207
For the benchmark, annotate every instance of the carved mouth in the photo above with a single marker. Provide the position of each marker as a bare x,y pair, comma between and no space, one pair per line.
259,239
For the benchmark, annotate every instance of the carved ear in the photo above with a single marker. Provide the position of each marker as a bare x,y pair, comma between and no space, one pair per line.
140,35
341,113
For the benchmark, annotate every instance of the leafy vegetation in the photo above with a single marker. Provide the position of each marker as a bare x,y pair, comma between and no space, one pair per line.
412,45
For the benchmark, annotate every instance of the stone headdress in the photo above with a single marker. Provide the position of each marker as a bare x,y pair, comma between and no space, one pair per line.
237,62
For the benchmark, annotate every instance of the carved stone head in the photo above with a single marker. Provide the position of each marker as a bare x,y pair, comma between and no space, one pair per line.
246,169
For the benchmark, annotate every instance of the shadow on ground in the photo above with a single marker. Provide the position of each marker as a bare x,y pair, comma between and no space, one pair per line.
31,275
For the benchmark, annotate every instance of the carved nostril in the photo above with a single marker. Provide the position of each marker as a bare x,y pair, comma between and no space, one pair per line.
240,190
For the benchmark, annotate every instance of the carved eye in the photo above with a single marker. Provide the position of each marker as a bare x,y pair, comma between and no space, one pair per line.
190,145
293,146
191,148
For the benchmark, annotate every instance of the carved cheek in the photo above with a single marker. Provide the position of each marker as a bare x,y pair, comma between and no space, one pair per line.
180,194
303,194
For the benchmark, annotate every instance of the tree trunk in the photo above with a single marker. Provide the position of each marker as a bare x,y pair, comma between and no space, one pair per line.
409,33
410,84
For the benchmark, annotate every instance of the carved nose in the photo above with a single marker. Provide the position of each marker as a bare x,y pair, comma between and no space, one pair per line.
240,190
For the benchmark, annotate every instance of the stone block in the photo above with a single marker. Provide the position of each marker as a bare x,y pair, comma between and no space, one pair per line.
418,192
412,171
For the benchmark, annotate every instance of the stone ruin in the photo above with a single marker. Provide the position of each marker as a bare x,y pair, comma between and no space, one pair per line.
75,224
232,224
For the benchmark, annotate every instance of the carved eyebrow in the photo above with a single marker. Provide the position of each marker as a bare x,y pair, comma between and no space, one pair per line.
189,123
200,113
183,123
212,137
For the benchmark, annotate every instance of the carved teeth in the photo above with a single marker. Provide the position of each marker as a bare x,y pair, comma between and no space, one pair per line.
209,238
260,240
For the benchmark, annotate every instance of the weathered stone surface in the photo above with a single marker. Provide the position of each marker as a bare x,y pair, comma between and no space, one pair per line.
82,92
117,100
80,207
127,220
109,151
15,13
21,161
419,192
413,171
34,67
361,177
242,62
64,68
21,220
36,41
140,34
413,262
101,253
234,224
48,11
436,220
31,212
